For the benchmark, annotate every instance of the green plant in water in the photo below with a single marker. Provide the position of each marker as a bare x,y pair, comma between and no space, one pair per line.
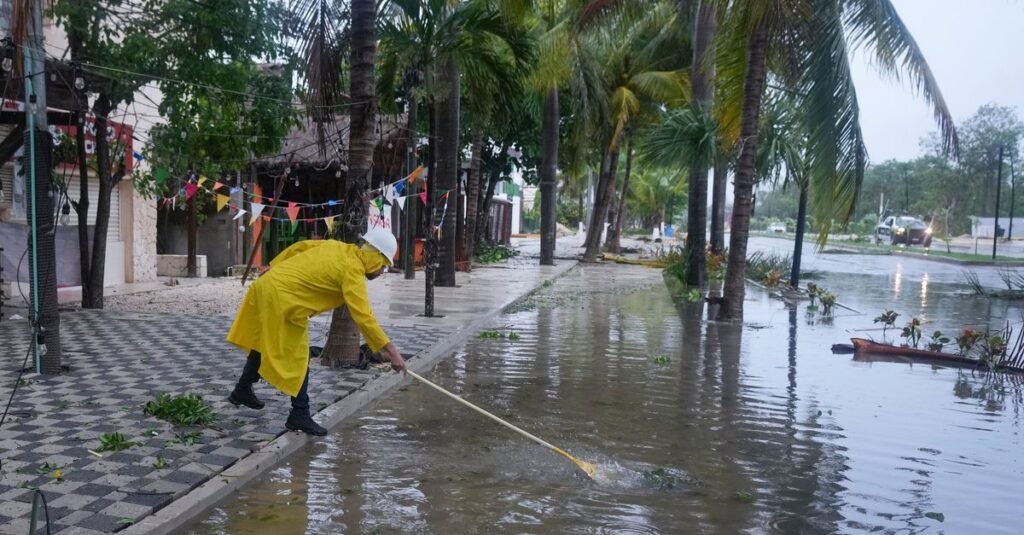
966,340
938,341
912,332
694,296
662,360
114,442
514,336
772,279
186,409
828,302
492,335
888,321
993,349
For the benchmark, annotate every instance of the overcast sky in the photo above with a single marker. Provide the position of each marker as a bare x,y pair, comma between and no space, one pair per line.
976,51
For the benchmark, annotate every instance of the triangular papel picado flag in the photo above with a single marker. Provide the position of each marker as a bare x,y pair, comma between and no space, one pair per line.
257,209
293,212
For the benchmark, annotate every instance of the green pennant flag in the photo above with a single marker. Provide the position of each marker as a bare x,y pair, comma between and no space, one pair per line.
160,175
295,225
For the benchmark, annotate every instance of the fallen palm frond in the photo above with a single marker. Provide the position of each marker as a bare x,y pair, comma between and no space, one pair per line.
1014,282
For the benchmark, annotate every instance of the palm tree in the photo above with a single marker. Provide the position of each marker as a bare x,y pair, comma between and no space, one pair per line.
475,38
323,51
702,80
564,63
654,192
643,72
807,41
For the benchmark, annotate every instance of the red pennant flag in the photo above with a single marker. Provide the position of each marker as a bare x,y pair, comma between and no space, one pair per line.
423,197
293,212
190,190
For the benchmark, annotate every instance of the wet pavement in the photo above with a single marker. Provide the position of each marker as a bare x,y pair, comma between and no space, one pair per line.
698,426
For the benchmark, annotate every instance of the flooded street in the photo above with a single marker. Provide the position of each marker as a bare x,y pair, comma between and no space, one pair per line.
702,427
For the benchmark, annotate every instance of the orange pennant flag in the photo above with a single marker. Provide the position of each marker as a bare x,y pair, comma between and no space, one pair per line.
222,200
266,218
415,174
292,211
217,186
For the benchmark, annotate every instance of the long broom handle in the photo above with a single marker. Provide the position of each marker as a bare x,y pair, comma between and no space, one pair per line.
538,440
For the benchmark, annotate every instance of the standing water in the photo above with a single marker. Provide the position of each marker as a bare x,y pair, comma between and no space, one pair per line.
697,426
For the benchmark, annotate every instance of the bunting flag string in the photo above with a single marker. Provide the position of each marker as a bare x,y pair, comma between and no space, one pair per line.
399,185
221,201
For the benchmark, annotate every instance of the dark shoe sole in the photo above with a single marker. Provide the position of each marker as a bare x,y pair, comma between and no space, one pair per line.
236,402
318,433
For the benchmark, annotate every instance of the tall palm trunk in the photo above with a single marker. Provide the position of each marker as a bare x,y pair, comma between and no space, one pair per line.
605,189
448,175
750,118
615,241
473,196
485,204
342,345
613,216
409,232
702,80
718,206
548,172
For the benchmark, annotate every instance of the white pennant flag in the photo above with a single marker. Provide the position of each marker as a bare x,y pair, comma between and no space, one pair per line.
401,202
239,215
257,209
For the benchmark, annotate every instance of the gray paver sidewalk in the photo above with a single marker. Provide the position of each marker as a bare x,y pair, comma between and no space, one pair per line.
119,360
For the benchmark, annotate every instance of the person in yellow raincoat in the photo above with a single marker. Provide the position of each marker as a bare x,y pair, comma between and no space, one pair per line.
306,279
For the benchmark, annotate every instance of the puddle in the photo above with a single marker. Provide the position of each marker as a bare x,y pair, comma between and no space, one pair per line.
696,426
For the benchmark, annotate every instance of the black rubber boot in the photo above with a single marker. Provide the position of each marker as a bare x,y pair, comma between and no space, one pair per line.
245,396
304,423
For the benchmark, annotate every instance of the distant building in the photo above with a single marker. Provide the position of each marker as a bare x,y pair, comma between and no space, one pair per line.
985,227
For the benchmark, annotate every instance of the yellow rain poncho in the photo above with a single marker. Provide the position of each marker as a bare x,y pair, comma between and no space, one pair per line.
306,279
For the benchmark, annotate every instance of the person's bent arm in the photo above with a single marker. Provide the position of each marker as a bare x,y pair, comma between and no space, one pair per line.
358,302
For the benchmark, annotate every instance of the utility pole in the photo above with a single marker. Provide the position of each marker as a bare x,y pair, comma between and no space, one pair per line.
1013,198
999,183
42,249
409,231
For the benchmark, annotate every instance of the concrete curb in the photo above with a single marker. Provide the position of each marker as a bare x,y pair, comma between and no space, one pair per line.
197,501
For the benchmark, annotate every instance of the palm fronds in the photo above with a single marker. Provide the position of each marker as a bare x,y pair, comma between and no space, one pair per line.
322,48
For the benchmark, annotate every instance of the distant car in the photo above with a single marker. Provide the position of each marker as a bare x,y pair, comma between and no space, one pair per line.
777,227
903,230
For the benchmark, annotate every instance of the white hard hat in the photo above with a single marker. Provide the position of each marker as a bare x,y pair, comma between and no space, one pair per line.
384,241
